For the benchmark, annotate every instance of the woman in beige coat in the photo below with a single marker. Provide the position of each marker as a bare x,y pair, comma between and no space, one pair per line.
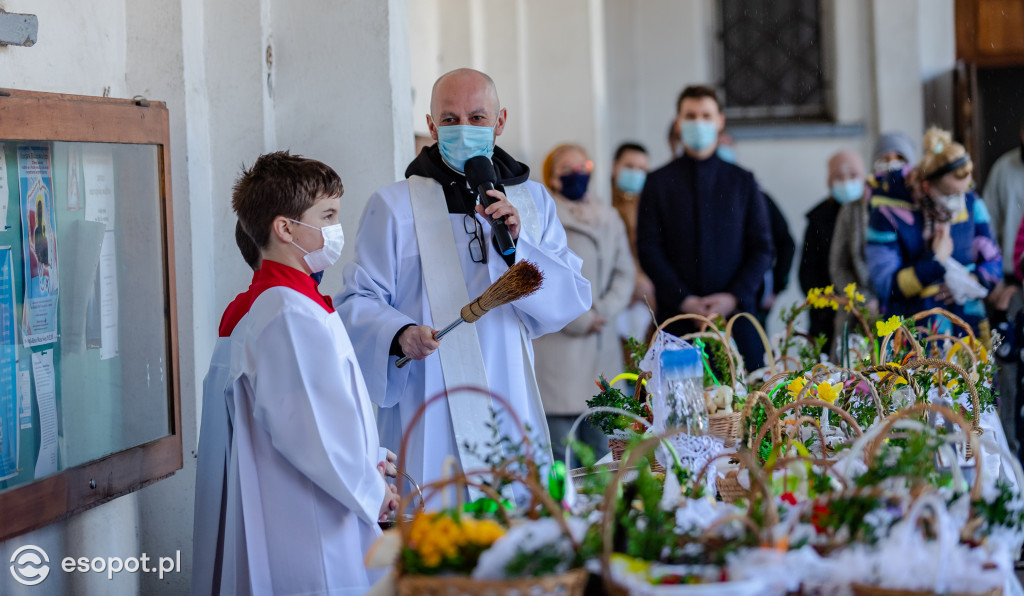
568,362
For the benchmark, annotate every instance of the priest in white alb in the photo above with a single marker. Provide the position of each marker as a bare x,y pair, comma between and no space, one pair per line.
425,249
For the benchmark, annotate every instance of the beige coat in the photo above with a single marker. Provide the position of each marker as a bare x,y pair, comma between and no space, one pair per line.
568,362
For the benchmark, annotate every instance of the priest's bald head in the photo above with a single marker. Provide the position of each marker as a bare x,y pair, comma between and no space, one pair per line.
465,97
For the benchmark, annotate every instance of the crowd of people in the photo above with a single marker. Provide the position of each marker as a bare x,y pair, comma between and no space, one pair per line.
910,233
288,423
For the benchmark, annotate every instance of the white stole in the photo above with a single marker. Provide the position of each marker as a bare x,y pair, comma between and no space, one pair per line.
462,362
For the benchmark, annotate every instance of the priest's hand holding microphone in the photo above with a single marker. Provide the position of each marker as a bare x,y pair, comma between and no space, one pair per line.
420,341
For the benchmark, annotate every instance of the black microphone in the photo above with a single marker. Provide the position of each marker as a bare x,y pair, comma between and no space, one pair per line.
481,176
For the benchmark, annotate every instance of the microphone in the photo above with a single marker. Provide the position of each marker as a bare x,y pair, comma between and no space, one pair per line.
481,176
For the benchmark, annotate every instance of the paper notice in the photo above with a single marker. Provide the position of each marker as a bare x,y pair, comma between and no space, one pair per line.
108,297
46,401
24,395
74,177
4,189
82,257
98,171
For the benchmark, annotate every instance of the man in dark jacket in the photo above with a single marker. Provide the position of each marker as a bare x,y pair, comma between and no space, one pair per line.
777,278
702,231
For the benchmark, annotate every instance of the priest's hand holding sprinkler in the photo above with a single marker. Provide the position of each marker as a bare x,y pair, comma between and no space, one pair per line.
521,280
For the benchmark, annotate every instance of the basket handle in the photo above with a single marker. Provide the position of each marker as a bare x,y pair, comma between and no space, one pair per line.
820,376
956,320
420,411
705,324
753,399
901,332
873,441
760,332
579,420
776,416
964,375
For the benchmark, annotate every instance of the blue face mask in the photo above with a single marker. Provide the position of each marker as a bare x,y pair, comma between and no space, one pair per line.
631,180
574,185
698,135
458,143
726,154
849,191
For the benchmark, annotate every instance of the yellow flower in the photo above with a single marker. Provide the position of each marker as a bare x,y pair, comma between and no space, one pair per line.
439,537
796,386
852,295
829,392
888,327
816,297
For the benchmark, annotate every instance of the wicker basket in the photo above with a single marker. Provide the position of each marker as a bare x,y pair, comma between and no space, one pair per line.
729,487
572,583
770,516
725,426
618,449
867,590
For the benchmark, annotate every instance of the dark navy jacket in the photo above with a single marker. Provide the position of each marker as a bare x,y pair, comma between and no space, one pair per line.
703,228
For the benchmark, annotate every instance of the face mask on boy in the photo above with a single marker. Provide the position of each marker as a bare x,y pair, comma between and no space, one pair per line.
322,258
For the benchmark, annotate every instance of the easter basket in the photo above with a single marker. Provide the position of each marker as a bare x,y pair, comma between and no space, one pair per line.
724,425
617,584
570,583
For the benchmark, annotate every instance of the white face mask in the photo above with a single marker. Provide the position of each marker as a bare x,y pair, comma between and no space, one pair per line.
322,258
952,204
889,166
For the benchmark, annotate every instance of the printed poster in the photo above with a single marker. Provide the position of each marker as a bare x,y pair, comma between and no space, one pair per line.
39,236
9,422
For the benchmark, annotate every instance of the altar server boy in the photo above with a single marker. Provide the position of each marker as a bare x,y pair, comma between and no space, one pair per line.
305,482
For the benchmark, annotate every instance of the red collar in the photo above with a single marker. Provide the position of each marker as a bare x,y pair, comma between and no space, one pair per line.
271,275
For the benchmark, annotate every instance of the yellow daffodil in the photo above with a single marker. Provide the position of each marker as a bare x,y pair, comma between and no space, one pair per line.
888,327
796,386
828,391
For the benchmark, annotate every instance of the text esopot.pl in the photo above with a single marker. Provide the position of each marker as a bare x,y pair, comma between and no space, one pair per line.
30,565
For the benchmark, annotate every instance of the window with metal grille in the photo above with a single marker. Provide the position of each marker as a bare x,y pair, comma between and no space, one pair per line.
770,59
